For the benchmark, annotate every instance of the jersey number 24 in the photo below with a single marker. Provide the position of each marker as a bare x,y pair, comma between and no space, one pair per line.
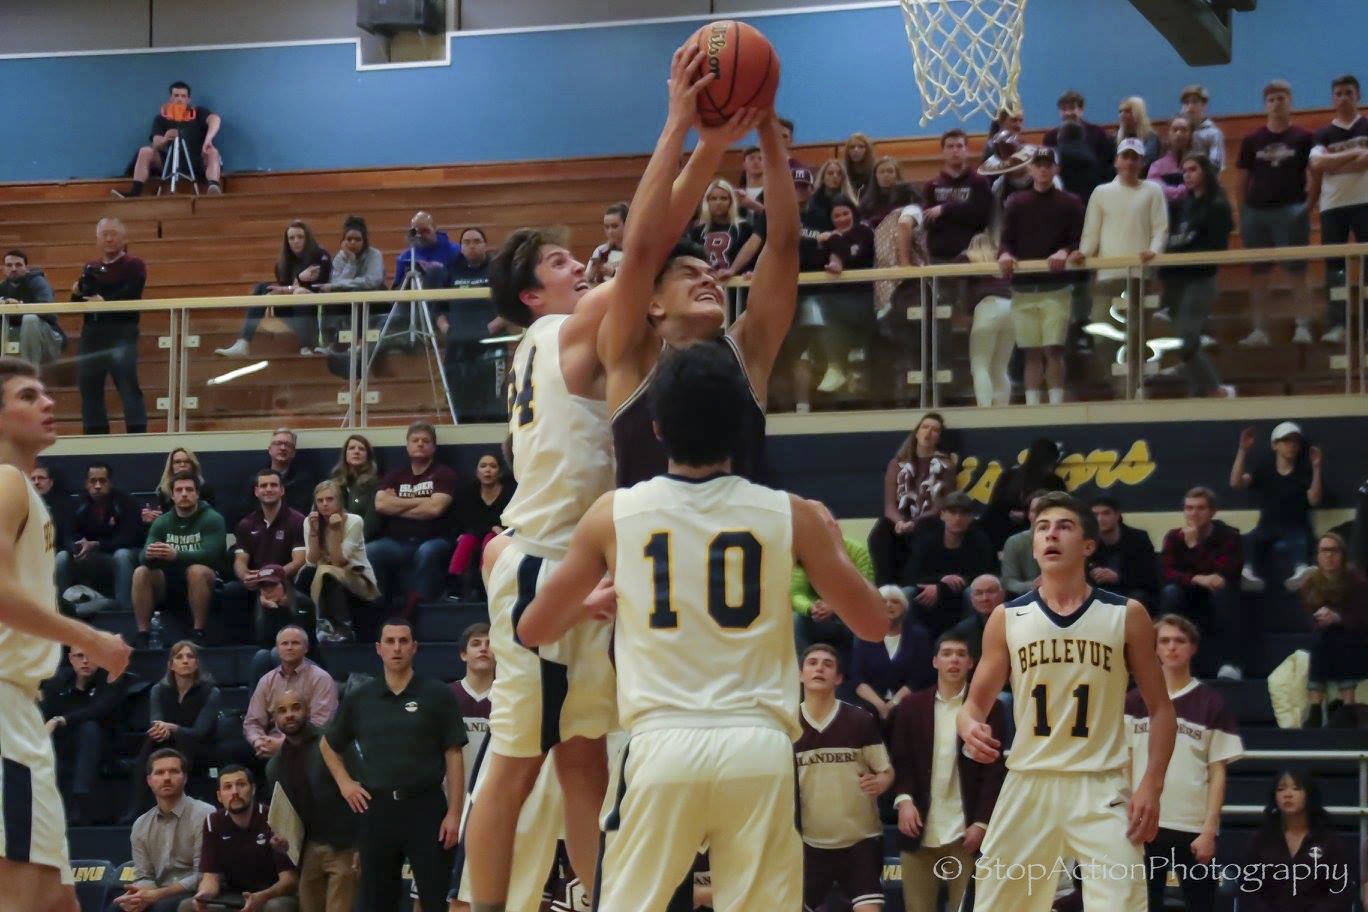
727,615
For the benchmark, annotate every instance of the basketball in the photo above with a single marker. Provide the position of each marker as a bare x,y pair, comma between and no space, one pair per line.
745,66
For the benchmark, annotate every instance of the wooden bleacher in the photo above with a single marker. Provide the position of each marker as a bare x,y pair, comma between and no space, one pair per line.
211,246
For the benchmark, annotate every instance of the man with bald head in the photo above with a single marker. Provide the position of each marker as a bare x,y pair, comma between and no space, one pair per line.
109,340
985,594
433,251
328,868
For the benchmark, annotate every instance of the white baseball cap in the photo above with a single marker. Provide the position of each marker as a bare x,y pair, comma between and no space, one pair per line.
1131,144
1286,429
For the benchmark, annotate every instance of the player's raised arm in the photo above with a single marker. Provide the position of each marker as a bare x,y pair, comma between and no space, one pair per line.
989,677
760,331
823,556
561,601
20,612
1143,662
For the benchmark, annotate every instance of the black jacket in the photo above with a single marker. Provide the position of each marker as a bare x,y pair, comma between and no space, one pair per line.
119,528
1204,223
99,702
333,823
1133,558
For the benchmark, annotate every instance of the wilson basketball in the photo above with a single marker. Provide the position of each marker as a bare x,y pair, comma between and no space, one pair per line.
745,66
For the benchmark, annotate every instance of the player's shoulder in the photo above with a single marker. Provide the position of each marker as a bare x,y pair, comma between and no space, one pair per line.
1028,599
1107,597
12,475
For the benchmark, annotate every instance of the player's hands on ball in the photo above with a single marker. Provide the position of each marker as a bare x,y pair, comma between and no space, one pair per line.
1143,815
686,85
909,821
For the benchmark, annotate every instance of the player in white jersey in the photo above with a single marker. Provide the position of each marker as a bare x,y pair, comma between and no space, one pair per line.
1069,650
35,872
707,683
562,693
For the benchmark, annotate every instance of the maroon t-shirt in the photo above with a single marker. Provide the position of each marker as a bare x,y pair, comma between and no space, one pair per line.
1276,163
966,204
242,857
270,543
438,479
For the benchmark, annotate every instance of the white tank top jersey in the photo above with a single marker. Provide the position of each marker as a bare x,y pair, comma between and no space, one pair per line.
704,632
562,445
1069,681
25,660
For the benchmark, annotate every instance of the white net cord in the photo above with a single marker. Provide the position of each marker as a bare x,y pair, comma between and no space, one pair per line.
966,54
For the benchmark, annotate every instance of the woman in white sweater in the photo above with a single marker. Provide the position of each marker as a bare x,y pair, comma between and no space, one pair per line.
334,542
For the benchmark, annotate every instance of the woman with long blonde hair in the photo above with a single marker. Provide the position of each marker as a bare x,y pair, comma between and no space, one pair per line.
859,155
720,230
1134,123
181,459
832,181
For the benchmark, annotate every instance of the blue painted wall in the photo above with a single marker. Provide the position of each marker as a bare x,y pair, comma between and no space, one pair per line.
600,91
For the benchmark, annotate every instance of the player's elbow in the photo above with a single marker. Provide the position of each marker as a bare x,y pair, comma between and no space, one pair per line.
531,631
871,624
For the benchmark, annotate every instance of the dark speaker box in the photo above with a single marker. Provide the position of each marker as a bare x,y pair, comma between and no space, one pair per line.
389,17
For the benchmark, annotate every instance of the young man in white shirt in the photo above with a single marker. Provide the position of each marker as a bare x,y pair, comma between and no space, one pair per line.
1194,785
1339,165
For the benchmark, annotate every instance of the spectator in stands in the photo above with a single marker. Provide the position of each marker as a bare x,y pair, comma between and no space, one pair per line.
431,249
280,605
944,799
1207,138
181,560
985,594
1008,171
1127,217
886,673
109,339
302,266
721,231
358,478
40,337
472,693
294,673
1042,223
916,482
269,536
832,182
1020,571
960,201
180,459
241,861
183,707
1009,119
1339,165
1296,831
1287,487
1080,170
1124,561
477,511
991,338
751,183
357,266
101,545
943,562
411,559
472,367
166,841
1015,489
1195,784
813,619
1203,222
197,126
297,480
886,192
328,860
858,157
1335,594
1167,170
1200,569
80,705
602,264
847,314
335,546
1274,209
55,498
843,768
1133,123
1094,138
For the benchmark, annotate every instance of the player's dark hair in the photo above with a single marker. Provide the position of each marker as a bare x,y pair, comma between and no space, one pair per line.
1063,501
161,754
1348,79
1106,500
1036,495
178,84
1273,824
232,768
696,401
821,647
513,270
397,621
684,250
618,209
1070,96
950,636
14,367
954,133
16,252
187,476
1204,493
100,465
477,629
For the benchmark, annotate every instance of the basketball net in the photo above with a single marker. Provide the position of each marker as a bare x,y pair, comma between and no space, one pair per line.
966,54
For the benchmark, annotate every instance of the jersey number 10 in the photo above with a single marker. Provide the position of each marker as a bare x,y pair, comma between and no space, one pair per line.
728,616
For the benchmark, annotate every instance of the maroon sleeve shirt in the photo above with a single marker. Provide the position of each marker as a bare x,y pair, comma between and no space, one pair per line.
438,479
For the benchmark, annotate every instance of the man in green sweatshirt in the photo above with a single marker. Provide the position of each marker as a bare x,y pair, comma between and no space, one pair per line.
813,619
182,559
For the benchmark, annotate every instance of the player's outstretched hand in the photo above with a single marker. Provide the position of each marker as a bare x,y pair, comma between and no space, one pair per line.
979,743
110,652
1144,816
735,129
685,84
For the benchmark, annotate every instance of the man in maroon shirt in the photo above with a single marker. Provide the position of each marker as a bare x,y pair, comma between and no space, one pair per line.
959,201
1096,138
1042,223
270,535
109,340
411,559
1200,571
241,865
1274,210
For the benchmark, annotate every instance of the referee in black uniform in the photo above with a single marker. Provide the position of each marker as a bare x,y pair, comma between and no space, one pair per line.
409,732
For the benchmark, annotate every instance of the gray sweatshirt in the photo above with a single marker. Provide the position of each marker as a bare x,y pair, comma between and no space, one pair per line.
364,273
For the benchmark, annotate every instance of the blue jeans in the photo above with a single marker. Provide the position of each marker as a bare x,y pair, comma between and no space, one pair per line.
1275,552
406,567
108,574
